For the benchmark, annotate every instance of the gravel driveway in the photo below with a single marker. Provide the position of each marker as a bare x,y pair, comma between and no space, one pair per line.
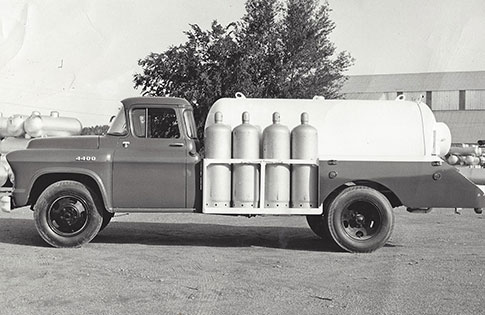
197,264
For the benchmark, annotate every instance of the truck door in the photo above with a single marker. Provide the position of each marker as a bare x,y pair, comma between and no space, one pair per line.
149,165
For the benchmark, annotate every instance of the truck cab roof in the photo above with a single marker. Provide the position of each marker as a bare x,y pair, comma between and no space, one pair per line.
155,100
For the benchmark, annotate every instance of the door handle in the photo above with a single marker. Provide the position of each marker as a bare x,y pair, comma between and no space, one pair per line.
125,144
176,144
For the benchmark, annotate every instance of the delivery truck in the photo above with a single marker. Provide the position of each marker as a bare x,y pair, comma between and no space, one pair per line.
344,164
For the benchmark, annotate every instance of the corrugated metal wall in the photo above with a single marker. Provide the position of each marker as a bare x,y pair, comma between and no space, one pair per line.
446,100
440,100
475,99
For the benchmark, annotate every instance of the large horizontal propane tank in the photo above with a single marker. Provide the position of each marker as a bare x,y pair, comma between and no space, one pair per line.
351,129
245,177
218,146
13,144
3,126
51,126
276,145
15,126
304,178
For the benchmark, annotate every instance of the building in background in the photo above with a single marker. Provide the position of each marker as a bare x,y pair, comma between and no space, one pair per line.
456,98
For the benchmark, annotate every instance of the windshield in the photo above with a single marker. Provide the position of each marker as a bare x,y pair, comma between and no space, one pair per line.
118,125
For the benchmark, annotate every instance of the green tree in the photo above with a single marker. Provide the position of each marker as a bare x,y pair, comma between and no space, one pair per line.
278,49
95,130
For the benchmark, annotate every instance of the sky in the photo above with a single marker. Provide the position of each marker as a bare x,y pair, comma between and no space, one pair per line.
79,57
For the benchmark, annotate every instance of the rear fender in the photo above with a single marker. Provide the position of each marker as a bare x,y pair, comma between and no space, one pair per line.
415,184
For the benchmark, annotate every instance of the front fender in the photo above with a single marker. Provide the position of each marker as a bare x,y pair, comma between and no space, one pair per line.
33,164
58,173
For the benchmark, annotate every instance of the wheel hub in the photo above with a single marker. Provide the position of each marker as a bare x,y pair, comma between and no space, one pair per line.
67,215
361,220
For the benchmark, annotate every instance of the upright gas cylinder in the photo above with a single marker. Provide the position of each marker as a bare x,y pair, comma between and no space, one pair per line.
218,146
15,126
304,178
276,145
38,125
245,177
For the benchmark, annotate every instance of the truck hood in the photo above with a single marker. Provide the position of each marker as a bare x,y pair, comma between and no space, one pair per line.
78,142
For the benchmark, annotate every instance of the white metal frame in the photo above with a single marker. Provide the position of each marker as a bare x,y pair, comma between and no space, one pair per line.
261,210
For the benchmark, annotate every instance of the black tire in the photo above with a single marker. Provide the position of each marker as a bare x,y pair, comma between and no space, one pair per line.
106,219
318,225
67,214
360,219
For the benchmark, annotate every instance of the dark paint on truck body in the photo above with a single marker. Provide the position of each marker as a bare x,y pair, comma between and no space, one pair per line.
145,175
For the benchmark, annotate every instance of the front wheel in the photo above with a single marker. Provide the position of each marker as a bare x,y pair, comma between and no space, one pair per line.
67,214
360,219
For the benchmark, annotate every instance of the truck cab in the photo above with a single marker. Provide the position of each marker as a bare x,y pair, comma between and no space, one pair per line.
155,158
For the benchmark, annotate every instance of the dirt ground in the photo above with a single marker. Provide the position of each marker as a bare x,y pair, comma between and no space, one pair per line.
197,264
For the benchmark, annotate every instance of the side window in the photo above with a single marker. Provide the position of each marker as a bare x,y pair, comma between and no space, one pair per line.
139,125
162,123
155,123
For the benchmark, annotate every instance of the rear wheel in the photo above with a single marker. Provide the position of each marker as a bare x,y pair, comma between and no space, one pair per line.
360,219
67,214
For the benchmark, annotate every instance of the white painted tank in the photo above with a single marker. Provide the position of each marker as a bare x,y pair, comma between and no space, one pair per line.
304,178
276,145
3,174
3,126
10,144
218,146
51,126
3,161
245,177
351,129
15,125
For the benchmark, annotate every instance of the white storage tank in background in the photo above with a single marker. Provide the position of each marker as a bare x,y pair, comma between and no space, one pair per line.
245,177
304,178
13,144
276,145
15,126
51,126
3,126
218,146
4,170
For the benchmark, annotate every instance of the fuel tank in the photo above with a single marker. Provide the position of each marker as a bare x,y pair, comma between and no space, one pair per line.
245,180
15,126
3,126
218,146
3,173
276,145
51,126
351,129
304,178
13,144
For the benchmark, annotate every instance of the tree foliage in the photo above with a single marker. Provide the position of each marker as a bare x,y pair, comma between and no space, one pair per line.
278,49
95,130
